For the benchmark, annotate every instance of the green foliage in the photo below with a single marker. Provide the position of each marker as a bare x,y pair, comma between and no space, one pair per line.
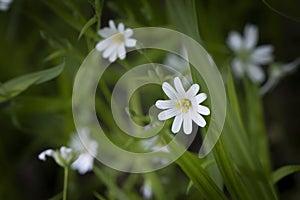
36,107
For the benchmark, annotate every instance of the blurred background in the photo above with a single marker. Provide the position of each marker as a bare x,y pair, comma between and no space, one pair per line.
36,35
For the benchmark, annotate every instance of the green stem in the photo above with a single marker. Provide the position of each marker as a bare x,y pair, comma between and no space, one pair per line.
66,173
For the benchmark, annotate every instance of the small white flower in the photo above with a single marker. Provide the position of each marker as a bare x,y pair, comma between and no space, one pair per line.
63,157
249,58
147,189
115,42
183,105
4,4
86,148
278,71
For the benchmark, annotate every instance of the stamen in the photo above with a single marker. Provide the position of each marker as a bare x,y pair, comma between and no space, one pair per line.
118,38
185,104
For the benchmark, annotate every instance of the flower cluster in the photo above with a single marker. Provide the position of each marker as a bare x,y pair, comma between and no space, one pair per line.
79,157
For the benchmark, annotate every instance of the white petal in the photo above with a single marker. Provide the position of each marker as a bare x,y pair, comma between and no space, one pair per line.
192,91
112,24
106,32
121,52
203,110
128,32
167,114
109,50
48,152
130,42
178,86
177,124
121,27
83,163
199,120
250,36
255,73
187,124
66,153
102,45
234,41
165,104
200,98
263,54
169,90
237,68
113,56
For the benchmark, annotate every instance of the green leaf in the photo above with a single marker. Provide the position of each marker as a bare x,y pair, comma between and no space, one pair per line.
17,85
192,165
87,25
287,8
283,172
99,196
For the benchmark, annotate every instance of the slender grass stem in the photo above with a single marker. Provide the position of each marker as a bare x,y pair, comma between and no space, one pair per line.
65,191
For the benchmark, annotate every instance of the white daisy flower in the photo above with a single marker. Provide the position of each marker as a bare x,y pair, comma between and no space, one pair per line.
86,148
4,4
278,71
63,157
249,58
183,105
115,42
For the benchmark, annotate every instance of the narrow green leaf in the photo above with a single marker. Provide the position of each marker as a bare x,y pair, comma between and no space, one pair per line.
17,85
87,25
283,172
99,196
192,166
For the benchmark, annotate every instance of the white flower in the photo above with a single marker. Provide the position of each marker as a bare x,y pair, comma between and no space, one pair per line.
4,4
63,157
86,148
116,39
276,72
249,58
147,189
184,106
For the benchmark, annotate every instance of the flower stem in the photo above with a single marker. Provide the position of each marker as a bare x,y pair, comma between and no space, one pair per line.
66,173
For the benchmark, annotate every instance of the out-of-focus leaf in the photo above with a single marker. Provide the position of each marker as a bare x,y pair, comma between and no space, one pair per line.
284,171
192,166
99,196
87,25
17,85
287,8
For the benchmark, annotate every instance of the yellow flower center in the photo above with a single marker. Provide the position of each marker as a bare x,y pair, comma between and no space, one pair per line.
184,104
118,38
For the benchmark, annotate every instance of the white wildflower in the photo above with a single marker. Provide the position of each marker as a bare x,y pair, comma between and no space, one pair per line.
115,42
86,148
276,72
183,105
147,189
5,4
249,58
63,157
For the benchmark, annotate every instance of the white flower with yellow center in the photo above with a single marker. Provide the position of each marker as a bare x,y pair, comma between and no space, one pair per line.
115,42
183,105
249,58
